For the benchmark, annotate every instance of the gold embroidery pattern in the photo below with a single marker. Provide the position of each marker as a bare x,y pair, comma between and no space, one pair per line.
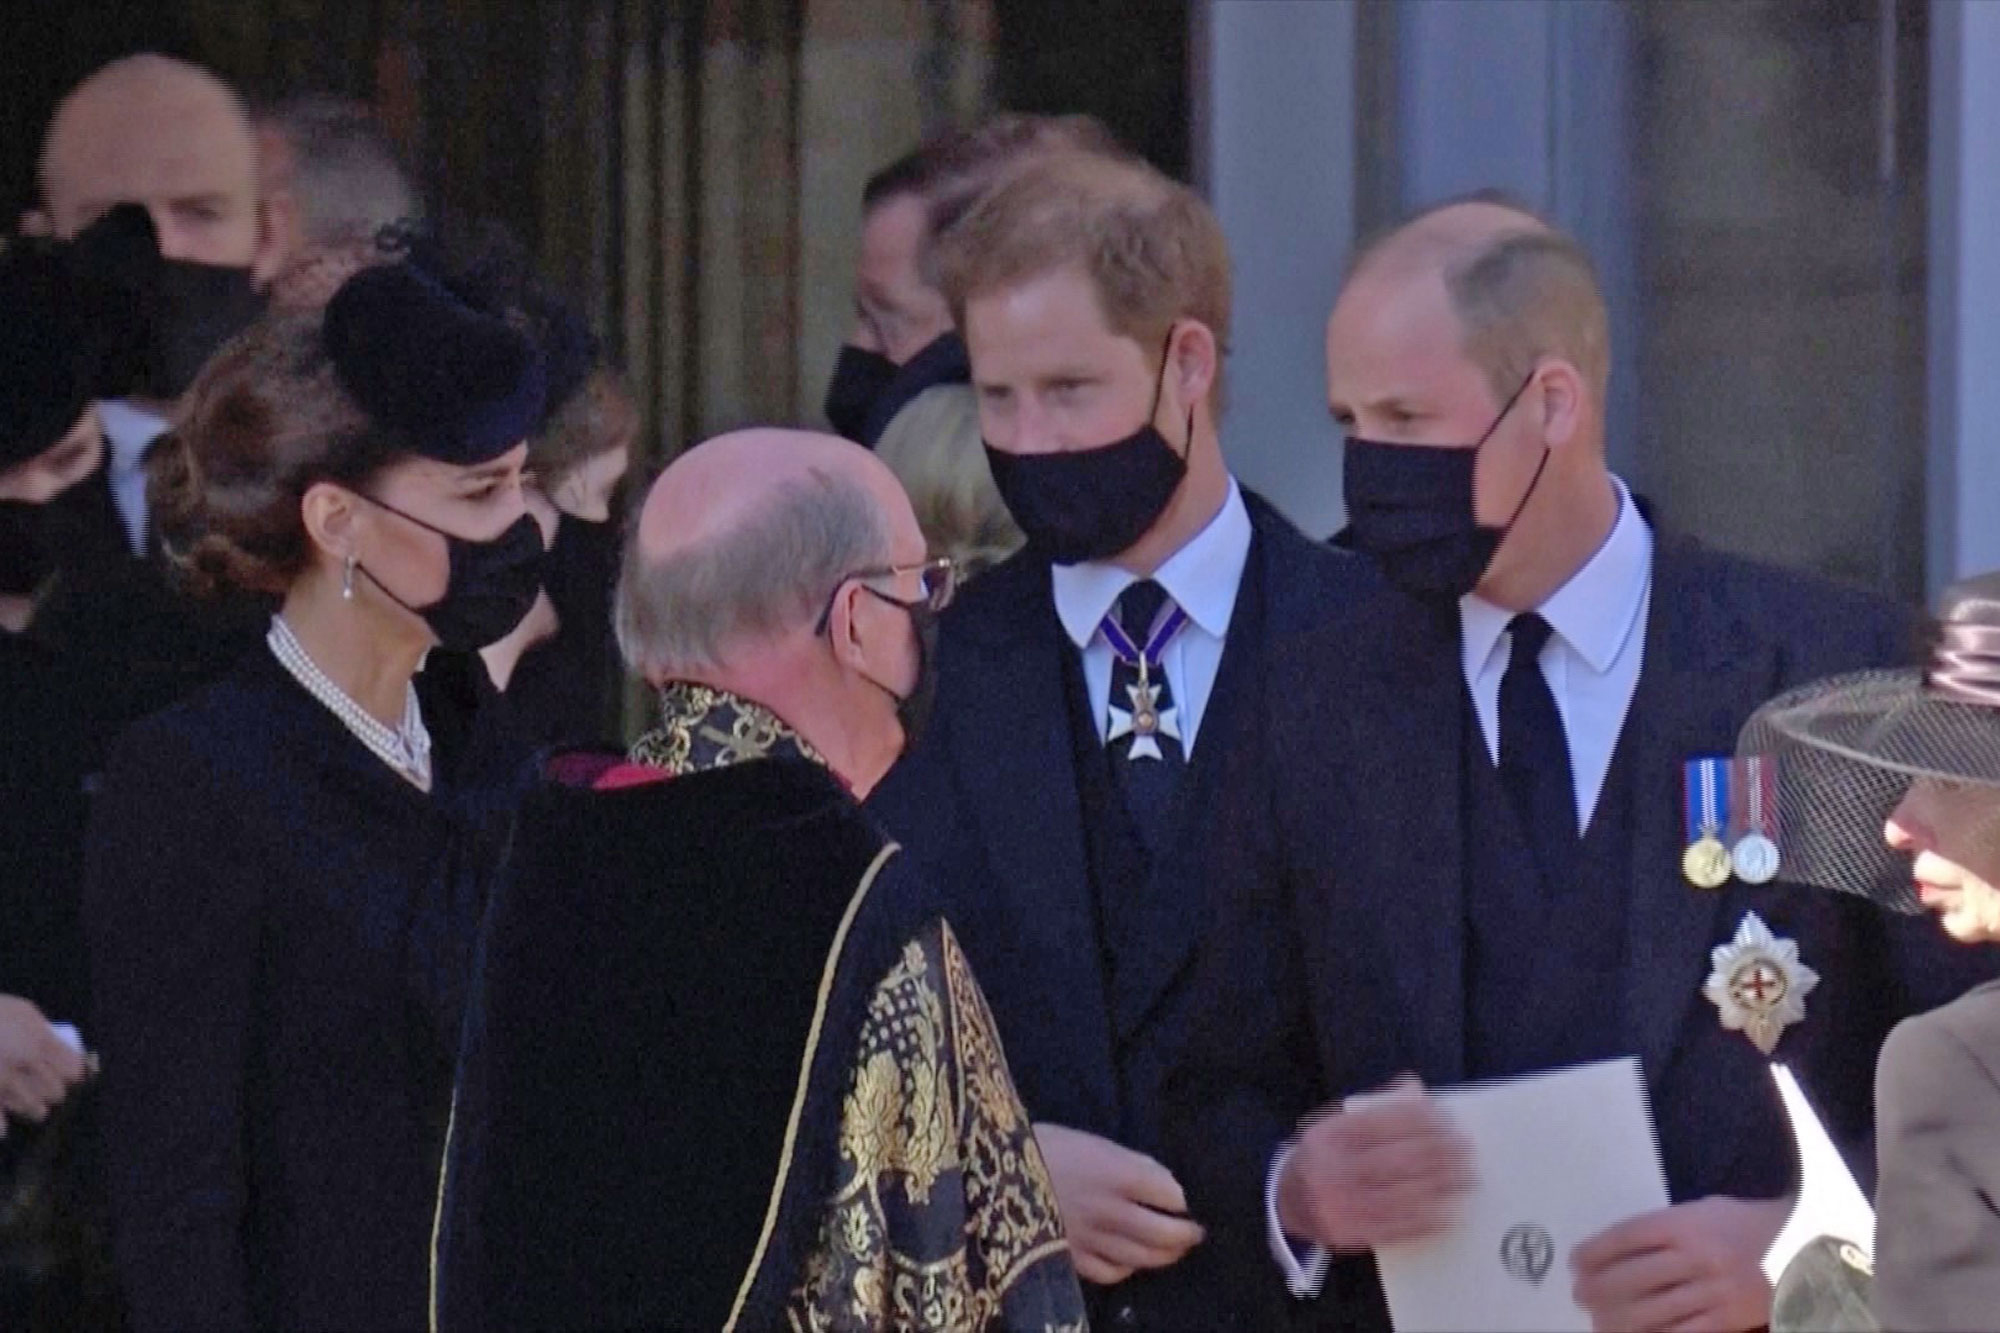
703,728
944,1204
1007,1182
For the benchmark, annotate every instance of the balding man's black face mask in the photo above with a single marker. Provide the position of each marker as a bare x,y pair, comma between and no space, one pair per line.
151,323
913,710
1411,507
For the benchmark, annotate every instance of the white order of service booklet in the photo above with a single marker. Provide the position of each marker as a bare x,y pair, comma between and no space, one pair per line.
1558,1157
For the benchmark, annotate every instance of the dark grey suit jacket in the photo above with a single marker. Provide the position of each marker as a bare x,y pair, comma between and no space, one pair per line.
1937,1119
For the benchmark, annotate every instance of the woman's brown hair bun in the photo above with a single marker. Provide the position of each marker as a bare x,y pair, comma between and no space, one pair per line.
265,420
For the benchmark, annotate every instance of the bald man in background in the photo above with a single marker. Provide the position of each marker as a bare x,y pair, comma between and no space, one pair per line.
774,1096
175,140
149,182
1476,870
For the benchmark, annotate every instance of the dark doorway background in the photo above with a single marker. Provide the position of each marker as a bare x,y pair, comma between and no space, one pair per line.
1126,64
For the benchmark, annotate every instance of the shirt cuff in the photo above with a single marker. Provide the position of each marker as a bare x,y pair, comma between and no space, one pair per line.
1304,1273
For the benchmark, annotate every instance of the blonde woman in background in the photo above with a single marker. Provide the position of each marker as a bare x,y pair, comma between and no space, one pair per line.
933,447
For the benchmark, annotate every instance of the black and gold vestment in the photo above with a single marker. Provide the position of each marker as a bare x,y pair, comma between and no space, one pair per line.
726,1067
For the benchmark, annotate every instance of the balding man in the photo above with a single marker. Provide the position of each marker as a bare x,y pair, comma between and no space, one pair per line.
148,179
723,1066
1481,864
175,140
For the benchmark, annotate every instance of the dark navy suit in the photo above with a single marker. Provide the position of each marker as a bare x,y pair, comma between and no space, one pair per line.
1345,962
279,929
1000,806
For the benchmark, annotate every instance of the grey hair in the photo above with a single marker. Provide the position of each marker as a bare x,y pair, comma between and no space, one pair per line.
684,613
345,172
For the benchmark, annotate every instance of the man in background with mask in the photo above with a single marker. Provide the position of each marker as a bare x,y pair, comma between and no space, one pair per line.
774,1098
1504,848
175,140
903,342
1092,688
149,189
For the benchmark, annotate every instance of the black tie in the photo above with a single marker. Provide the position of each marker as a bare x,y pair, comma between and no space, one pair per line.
1534,749
1139,729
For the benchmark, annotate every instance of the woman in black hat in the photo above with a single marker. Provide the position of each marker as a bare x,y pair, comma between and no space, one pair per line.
284,877
1889,786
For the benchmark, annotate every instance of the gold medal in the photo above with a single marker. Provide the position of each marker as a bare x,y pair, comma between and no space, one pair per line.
1706,864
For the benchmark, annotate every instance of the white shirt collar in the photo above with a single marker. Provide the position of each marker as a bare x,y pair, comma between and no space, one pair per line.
1201,577
1594,613
129,430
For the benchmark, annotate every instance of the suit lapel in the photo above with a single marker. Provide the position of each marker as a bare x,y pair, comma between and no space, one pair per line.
1705,669
1015,754
1408,712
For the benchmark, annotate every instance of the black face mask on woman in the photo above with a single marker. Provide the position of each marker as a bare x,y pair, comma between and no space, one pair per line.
490,589
1411,507
1092,504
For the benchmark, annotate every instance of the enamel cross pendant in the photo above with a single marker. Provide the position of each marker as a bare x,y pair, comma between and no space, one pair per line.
1146,722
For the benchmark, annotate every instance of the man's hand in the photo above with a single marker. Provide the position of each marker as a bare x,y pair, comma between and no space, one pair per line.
1123,1210
1384,1175
1695,1266
37,1068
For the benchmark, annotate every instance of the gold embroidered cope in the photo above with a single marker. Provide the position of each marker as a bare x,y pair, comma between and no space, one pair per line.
931,1116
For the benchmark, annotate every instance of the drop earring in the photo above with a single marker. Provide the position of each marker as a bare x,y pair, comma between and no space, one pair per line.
347,581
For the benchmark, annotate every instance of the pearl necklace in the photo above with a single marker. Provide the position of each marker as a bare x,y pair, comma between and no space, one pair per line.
405,748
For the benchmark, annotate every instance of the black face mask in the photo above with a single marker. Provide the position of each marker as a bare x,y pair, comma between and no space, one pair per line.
27,557
152,323
913,710
1411,508
200,307
1092,504
869,389
859,378
491,587
38,539
579,572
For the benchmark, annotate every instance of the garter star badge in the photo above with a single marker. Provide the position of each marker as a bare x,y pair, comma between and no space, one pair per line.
1758,983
